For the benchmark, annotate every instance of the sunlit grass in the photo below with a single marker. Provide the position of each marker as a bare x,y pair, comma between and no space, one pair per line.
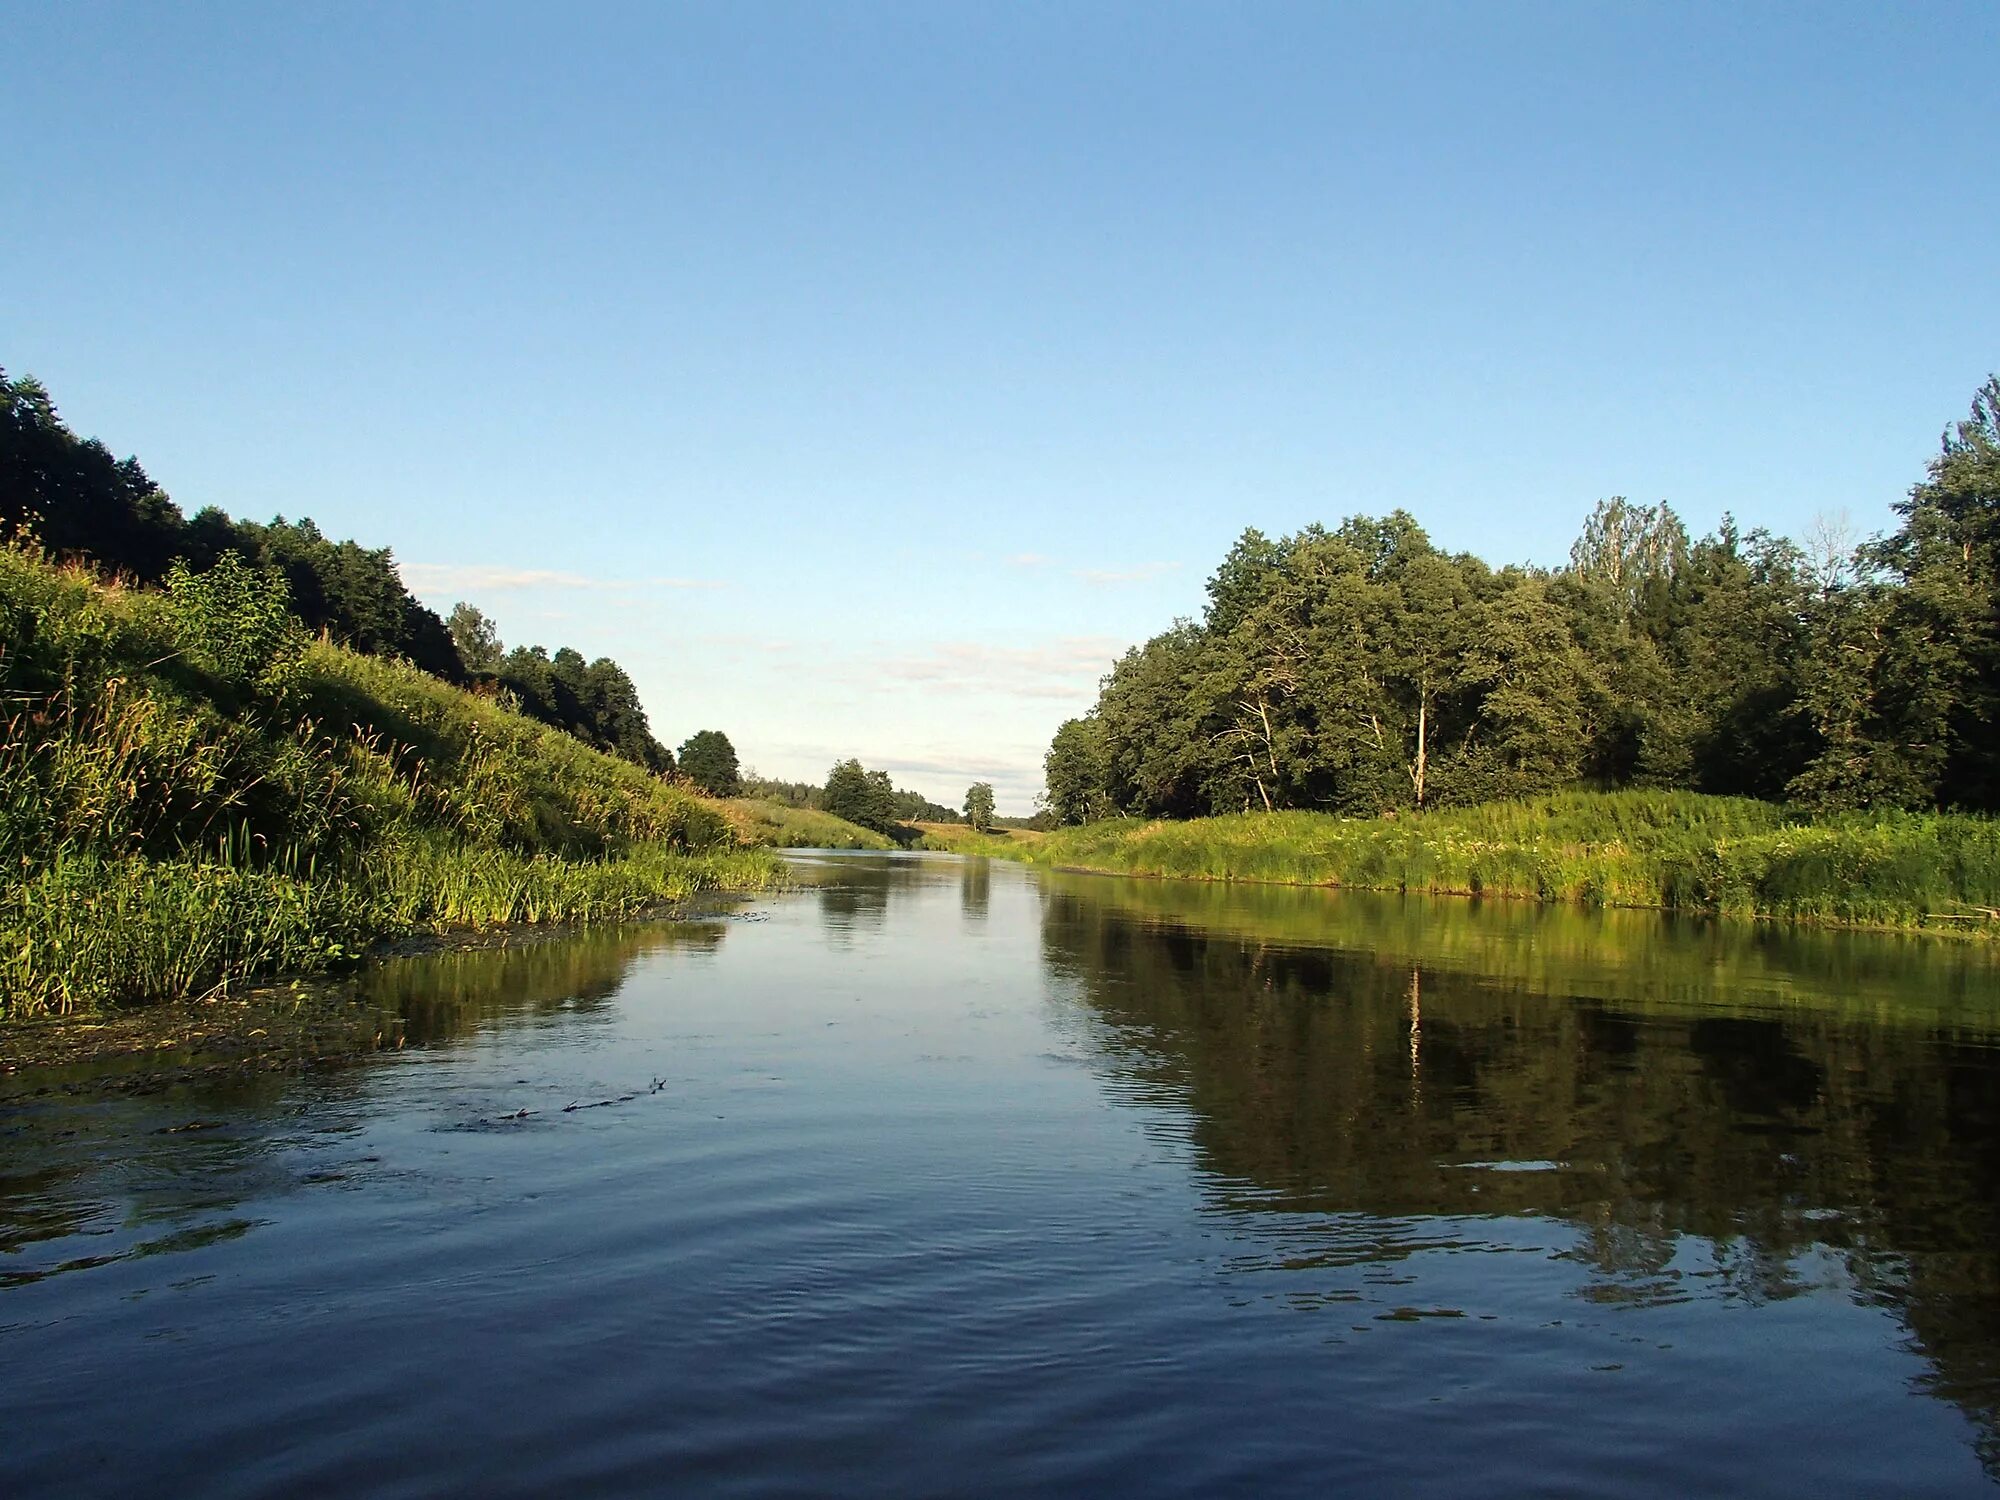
1676,850
777,826
963,838
165,831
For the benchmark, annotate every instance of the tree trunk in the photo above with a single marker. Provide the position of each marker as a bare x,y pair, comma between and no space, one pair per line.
1418,771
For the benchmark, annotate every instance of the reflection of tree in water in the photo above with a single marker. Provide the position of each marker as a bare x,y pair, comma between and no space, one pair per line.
845,910
1347,1102
141,1166
450,994
975,888
854,892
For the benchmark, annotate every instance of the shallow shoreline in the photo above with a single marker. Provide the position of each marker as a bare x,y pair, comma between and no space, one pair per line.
288,1020
1975,928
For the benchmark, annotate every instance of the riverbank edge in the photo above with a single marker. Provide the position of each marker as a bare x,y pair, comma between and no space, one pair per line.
301,1018
1604,875
1990,929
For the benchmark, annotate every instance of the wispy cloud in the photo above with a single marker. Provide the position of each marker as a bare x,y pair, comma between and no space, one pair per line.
449,577
942,766
1134,573
751,645
1107,576
936,771
1062,668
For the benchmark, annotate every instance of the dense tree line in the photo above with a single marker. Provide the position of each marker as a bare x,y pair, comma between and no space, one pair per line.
709,761
1361,669
905,806
76,500
595,701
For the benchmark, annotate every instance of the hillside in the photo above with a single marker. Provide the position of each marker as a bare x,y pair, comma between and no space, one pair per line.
778,826
192,790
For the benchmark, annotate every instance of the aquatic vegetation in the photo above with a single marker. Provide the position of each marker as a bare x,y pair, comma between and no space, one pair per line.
1676,850
191,794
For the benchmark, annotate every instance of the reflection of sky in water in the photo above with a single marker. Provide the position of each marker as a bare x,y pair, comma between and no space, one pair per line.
940,1169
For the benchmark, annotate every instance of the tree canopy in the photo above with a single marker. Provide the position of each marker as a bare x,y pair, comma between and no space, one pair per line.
709,761
1363,669
76,500
979,805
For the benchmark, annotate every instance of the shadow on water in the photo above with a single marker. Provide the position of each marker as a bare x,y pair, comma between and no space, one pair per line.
444,996
975,889
854,891
164,1165
1679,1113
1717,1111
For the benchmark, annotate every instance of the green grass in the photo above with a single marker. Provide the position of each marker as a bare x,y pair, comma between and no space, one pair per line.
777,826
1674,850
166,830
962,838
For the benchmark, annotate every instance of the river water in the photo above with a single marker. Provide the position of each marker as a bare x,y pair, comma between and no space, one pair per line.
948,1178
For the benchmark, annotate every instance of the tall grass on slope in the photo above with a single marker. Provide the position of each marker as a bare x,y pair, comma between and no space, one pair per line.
1677,850
776,826
178,809
963,838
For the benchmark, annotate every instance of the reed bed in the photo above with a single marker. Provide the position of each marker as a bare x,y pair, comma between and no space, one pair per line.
1675,850
168,826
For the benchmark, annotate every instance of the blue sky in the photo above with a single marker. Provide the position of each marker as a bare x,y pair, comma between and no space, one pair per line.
866,377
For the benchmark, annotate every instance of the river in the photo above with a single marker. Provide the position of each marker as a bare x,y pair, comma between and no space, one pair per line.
948,1178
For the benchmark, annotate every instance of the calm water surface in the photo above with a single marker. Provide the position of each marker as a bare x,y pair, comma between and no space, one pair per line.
944,1178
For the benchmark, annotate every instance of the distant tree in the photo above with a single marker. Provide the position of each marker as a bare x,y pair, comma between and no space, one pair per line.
524,671
709,761
1075,774
915,807
567,675
1633,553
477,638
790,793
846,793
881,802
74,496
860,796
617,720
979,806
1904,685
1243,581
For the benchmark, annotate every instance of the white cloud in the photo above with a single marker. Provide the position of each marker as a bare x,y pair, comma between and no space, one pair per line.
1134,573
943,766
1065,668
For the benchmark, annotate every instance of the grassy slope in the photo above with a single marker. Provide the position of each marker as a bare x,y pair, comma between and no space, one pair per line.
962,838
1676,850
777,826
166,829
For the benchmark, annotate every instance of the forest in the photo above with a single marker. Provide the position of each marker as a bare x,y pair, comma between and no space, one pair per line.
77,501
1362,670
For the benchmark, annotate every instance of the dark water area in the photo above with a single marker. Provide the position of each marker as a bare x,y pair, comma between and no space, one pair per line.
945,1178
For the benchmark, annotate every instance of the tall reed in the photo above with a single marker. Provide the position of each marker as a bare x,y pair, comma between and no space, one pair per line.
1677,850
172,819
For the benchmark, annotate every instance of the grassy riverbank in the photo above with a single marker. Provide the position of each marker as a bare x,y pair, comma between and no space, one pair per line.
192,792
962,838
777,826
1674,850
